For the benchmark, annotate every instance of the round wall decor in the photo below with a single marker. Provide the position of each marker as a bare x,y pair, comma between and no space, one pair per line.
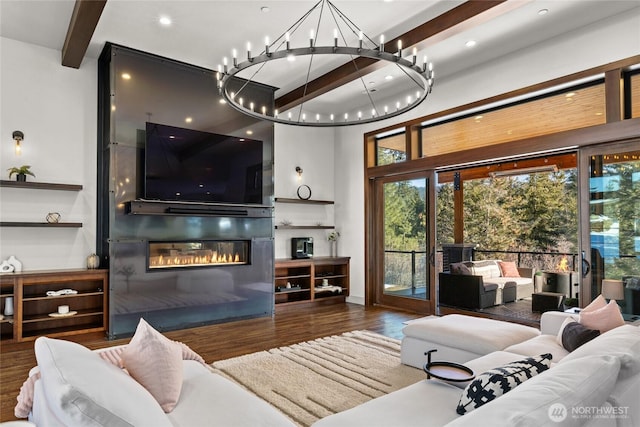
304,192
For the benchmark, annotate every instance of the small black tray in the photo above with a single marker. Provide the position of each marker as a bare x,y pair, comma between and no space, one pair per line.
447,371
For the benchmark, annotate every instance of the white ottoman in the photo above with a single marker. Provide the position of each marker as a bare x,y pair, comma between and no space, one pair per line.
459,338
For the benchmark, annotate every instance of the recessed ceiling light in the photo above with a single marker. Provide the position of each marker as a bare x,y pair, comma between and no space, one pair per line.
543,12
222,101
388,77
470,43
570,94
172,137
126,76
265,9
164,20
249,132
188,119
291,58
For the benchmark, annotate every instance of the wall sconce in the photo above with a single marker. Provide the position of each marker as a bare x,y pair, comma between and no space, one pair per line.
17,137
299,172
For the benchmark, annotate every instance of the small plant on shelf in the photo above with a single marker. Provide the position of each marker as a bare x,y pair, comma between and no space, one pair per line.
21,172
333,236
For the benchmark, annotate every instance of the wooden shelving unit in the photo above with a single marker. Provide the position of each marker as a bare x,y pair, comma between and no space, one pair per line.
308,274
33,308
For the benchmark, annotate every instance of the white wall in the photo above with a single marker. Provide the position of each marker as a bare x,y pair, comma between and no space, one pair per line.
578,50
56,108
313,150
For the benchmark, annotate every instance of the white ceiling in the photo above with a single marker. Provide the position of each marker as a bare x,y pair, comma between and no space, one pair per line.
203,32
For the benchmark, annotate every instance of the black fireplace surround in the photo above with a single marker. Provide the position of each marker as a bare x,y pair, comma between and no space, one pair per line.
177,264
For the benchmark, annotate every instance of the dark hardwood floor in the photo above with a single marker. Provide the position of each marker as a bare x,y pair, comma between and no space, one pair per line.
222,341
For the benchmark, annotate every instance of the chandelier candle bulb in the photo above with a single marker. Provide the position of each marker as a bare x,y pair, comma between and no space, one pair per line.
335,37
286,38
224,64
386,109
234,54
331,117
359,115
399,48
360,40
266,45
251,106
311,38
382,43
249,51
415,55
264,110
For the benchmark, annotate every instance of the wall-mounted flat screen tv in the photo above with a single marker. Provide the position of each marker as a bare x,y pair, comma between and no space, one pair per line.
194,166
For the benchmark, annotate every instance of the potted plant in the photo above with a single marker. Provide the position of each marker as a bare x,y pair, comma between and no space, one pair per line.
21,172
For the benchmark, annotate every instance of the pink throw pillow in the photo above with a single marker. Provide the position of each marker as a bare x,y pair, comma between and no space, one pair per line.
155,362
603,319
596,304
509,269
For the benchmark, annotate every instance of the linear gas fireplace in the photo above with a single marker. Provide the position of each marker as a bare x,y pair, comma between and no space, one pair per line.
198,253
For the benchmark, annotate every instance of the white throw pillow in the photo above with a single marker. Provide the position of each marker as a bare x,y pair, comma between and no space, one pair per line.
81,389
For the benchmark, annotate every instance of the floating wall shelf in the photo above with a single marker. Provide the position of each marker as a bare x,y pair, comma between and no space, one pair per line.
41,224
40,185
306,202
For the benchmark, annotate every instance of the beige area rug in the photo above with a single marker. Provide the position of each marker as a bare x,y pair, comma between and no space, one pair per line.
315,379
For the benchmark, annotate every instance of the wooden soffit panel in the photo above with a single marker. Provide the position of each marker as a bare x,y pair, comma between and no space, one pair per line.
467,15
84,19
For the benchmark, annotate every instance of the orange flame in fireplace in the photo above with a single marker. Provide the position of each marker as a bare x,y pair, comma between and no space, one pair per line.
563,265
192,260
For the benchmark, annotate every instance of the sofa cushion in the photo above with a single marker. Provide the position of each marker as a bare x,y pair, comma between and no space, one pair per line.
574,335
540,345
486,269
84,390
508,269
155,362
598,303
581,383
428,403
498,381
603,319
210,399
622,342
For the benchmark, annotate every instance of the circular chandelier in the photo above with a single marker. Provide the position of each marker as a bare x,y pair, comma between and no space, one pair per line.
234,76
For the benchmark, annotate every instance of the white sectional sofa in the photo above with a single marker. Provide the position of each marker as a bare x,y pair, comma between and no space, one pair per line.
597,384
77,388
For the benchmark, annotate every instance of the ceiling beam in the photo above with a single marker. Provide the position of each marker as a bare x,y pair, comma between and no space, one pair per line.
85,17
463,17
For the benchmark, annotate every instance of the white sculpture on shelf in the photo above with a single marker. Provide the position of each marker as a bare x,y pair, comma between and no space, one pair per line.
17,265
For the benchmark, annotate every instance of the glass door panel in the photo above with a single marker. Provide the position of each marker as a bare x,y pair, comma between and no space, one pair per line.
614,227
401,231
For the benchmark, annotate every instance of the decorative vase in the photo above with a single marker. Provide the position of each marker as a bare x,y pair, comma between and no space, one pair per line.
17,265
8,306
93,261
5,267
334,248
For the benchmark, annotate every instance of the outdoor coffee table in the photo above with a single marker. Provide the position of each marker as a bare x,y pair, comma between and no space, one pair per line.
447,371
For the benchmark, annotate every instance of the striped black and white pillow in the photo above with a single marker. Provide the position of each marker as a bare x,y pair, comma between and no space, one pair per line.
497,381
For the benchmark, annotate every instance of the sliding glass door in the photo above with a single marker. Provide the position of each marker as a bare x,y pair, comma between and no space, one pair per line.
401,229
611,225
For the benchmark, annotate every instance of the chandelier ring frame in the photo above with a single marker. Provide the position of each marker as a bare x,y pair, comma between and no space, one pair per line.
424,82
